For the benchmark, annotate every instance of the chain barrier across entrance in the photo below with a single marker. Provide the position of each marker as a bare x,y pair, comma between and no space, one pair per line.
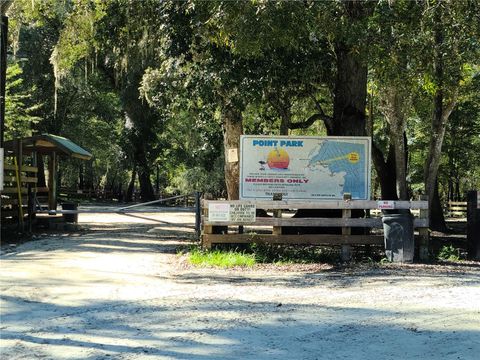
130,209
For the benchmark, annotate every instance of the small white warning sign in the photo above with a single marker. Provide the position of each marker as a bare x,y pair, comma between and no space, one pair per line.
236,213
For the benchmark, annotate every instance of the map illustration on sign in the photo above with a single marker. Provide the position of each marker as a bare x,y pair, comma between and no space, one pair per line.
316,168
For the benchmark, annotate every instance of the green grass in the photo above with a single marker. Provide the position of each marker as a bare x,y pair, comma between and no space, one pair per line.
223,259
249,255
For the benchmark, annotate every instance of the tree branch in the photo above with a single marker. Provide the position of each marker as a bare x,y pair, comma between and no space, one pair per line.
328,120
309,122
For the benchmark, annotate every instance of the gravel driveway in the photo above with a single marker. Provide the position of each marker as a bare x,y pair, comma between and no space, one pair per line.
116,289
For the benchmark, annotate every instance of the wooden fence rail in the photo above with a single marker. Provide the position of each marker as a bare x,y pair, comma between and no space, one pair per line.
457,209
275,224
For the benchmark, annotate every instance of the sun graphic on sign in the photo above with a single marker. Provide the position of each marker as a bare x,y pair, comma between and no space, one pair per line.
278,159
353,157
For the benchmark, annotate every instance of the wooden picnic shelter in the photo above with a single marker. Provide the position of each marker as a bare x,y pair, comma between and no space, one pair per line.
21,171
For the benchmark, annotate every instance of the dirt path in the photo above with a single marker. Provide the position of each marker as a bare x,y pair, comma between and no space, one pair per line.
117,291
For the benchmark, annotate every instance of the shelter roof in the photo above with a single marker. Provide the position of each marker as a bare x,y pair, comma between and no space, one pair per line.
48,143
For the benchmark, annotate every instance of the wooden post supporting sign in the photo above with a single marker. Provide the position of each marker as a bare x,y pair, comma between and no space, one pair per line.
277,230
346,213
52,181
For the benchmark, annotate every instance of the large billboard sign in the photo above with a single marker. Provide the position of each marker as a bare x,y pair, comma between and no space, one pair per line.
304,167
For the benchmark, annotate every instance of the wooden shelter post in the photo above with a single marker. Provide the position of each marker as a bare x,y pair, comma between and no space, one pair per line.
52,181
19,158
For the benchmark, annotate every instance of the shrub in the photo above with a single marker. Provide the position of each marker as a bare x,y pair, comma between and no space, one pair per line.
449,253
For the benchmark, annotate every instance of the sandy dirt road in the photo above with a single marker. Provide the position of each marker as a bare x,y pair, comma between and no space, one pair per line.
117,290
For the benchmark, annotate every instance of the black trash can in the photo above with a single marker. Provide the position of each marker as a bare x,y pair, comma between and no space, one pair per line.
70,218
398,235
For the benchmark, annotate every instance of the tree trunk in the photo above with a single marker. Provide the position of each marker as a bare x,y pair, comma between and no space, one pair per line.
89,175
285,110
400,167
457,189
395,102
350,94
385,172
146,188
81,181
232,129
131,186
285,122
283,107
41,181
439,121
450,189
439,125
437,219
142,139
112,185
385,169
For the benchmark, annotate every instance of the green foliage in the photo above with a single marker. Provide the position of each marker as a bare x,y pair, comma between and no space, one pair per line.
187,180
449,253
143,83
95,122
460,167
20,110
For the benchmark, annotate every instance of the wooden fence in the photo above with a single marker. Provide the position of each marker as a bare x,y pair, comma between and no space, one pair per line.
457,209
273,225
17,196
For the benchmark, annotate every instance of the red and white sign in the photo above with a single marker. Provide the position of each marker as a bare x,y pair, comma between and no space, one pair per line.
386,205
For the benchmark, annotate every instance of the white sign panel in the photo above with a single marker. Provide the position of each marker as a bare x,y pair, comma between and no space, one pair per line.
231,212
242,212
386,205
307,167
218,212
